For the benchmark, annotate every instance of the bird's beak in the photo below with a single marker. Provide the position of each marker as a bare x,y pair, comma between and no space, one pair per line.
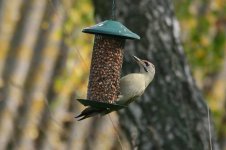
138,60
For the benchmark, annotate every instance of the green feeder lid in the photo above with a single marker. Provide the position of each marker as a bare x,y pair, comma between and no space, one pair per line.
110,27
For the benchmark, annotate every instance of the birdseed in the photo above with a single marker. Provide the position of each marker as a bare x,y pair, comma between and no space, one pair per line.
105,68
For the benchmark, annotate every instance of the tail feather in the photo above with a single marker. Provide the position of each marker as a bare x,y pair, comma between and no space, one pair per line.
87,116
80,115
89,112
84,117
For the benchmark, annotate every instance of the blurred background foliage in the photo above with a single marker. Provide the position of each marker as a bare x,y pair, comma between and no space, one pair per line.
37,99
203,33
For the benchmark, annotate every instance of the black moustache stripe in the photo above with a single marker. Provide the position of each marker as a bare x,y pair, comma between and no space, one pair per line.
145,69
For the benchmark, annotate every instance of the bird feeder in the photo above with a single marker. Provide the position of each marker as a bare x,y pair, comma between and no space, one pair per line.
106,63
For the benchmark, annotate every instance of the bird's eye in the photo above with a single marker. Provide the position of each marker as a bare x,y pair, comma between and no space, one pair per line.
146,63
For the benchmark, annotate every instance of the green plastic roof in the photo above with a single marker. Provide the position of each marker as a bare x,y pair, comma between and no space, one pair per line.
110,27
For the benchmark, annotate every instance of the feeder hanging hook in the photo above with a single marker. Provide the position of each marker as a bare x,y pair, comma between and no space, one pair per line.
113,10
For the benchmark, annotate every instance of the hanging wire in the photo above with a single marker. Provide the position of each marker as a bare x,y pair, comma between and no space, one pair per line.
210,136
116,131
113,10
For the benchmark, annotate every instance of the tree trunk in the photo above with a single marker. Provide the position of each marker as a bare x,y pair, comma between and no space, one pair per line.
172,113
42,73
9,16
18,67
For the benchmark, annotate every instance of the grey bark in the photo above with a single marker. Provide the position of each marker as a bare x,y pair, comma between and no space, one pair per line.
172,114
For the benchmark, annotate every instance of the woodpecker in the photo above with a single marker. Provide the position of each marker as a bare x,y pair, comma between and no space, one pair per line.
131,86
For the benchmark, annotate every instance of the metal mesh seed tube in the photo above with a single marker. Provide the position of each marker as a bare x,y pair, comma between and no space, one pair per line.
105,68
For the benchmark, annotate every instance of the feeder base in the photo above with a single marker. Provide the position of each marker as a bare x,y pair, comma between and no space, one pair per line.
101,105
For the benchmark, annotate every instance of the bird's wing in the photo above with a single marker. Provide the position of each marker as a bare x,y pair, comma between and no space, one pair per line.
131,86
